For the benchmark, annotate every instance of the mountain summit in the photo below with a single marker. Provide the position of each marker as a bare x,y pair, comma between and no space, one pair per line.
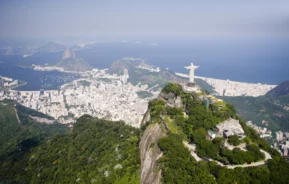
52,47
281,90
68,53
69,62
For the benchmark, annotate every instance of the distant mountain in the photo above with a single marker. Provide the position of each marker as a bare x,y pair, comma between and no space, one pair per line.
10,50
27,48
160,78
143,76
281,90
70,63
68,54
51,47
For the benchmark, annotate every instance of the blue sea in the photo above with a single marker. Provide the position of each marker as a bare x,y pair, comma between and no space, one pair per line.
36,80
263,60
249,60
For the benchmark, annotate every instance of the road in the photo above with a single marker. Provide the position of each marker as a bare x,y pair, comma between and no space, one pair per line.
267,157
17,116
192,148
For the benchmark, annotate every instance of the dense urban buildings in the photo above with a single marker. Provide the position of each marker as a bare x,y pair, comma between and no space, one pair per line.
233,88
101,95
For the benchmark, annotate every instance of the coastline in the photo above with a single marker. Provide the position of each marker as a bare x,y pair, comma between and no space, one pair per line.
23,84
234,88
200,77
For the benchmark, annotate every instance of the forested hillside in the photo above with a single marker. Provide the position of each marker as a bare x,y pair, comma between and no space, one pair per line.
179,166
268,108
272,107
100,151
95,151
19,132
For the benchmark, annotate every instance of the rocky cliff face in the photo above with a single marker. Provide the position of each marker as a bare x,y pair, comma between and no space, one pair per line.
68,53
150,153
146,117
171,99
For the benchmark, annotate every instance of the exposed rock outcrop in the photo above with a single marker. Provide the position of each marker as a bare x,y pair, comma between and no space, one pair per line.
150,153
70,63
171,99
68,53
146,117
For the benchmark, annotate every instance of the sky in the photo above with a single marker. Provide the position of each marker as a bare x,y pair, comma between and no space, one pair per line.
39,18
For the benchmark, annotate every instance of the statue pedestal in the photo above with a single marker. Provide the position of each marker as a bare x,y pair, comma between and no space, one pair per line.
191,84
190,87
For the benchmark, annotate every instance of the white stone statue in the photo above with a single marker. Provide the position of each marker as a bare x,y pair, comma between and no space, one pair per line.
192,71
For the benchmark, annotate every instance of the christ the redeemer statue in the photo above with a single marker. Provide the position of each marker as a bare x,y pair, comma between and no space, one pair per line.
192,72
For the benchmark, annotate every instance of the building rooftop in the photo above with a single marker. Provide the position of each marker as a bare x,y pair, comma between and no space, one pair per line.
230,127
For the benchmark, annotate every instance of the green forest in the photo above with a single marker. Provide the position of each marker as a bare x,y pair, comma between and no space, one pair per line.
94,151
17,136
178,166
262,108
100,151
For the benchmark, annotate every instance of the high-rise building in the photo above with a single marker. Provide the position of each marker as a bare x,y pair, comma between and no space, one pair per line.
285,152
125,76
1,82
279,136
41,91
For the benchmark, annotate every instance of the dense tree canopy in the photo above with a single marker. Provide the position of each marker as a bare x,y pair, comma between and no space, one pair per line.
99,151
95,151
178,166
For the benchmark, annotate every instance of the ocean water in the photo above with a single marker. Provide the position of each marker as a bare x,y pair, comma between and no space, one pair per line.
264,61
245,60
36,80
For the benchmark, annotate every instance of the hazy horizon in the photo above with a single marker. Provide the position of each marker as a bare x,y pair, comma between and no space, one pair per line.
131,19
